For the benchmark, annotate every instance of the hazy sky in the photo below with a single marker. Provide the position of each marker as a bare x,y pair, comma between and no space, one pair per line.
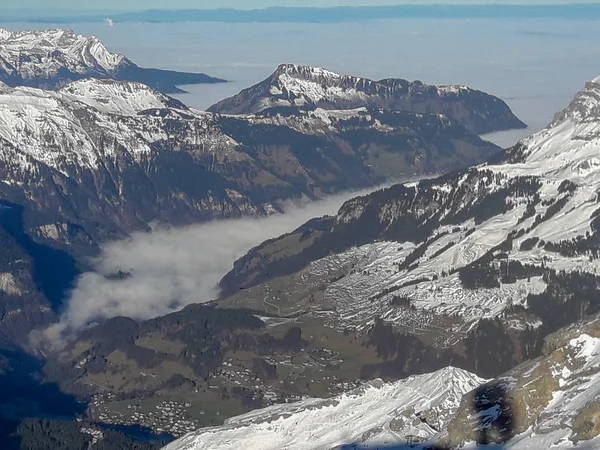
245,4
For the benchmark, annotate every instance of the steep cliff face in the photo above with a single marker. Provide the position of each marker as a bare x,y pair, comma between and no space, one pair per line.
550,402
308,88
33,278
49,59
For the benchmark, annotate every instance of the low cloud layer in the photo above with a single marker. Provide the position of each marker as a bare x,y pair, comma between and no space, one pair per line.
173,268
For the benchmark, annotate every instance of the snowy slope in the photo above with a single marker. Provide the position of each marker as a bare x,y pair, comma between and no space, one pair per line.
49,59
114,97
56,128
378,412
43,54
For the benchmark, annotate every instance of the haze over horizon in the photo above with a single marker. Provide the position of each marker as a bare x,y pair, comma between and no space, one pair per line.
61,6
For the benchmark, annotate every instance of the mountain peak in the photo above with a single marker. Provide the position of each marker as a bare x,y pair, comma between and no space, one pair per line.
54,50
567,148
585,107
50,59
308,88
308,72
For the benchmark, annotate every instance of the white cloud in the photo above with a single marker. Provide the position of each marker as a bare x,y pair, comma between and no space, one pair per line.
173,268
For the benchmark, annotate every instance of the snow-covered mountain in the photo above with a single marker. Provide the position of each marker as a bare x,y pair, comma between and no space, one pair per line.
408,411
127,99
305,88
51,58
493,246
98,159
481,269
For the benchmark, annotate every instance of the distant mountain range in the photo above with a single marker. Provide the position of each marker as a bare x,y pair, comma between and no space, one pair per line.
114,156
50,59
580,11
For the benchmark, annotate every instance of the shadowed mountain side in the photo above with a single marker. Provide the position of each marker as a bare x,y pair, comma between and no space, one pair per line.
34,278
54,270
23,394
492,420
37,415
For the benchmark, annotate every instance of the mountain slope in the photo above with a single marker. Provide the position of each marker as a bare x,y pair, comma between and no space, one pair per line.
471,270
550,402
406,411
33,278
98,159
307,88
492,252
50,59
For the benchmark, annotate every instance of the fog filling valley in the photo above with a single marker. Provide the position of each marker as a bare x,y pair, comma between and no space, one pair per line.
172,268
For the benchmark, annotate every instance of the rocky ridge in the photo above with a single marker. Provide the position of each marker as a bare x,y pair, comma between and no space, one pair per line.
307,88
49,59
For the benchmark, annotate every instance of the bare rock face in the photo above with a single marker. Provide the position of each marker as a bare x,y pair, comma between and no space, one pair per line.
307,88
550,399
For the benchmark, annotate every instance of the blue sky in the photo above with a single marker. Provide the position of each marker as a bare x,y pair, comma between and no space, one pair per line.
132,5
